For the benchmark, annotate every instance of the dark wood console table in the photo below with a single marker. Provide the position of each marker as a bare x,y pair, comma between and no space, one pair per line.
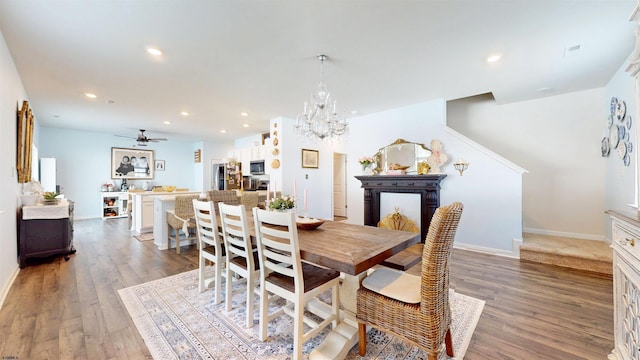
428,186
43,236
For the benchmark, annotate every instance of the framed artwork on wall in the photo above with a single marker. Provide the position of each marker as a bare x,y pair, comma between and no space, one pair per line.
132,164
310,158
159,165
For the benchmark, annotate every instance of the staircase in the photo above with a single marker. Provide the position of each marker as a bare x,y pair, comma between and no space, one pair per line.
589,255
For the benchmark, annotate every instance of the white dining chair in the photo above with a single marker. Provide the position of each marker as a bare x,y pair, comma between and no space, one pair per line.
211,247
241,261
285,275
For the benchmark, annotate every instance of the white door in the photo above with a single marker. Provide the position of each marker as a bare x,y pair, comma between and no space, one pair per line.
339,185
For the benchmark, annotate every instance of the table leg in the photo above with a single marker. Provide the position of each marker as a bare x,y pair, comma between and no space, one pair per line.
341,339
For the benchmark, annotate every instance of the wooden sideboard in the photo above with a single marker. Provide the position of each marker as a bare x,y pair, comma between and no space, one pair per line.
45,230
428,186
625,241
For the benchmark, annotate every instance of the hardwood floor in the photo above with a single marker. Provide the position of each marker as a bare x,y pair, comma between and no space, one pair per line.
71,310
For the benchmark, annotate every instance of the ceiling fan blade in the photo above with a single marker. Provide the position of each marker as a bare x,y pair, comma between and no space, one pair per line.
128,137
156,139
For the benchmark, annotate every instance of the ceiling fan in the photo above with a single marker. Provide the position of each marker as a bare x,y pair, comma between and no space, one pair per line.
142,139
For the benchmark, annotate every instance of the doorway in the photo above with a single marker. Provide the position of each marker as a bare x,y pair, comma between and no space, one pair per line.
339,186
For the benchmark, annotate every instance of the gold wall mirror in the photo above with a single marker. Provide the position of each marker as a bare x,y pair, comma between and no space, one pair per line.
402,154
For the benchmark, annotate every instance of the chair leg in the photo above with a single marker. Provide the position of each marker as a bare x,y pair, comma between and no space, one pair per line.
249,301
264,303
298,327
201,266
362,338
448,343
218,279
228,284
433,355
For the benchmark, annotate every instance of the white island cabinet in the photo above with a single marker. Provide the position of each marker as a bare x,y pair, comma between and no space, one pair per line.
142,214
625,241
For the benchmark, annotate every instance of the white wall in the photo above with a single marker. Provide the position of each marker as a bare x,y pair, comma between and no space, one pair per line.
490,189
11,96
84,158
557,139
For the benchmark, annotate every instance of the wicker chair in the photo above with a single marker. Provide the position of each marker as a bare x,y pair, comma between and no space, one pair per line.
211,247
229,197
420,313
249,199
241,259
285,275
181,219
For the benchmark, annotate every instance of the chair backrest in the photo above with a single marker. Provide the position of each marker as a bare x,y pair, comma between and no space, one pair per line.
184,206
235,231
435,261
278,247
225,196
249,199
207,225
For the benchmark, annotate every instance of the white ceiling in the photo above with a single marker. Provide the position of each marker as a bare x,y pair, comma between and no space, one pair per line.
222,58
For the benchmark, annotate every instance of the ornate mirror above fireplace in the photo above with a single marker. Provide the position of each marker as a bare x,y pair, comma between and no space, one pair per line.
401,153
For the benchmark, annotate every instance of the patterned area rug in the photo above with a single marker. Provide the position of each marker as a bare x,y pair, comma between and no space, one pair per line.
176,321
144,237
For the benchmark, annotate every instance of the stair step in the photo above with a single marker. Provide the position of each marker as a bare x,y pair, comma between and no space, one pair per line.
589,255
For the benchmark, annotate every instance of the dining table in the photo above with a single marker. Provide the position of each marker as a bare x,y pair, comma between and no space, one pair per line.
351,249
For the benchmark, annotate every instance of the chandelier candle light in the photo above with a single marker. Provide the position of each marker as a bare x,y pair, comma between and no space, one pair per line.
320,119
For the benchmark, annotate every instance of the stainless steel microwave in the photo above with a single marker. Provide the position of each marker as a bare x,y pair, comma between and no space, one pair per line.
256,167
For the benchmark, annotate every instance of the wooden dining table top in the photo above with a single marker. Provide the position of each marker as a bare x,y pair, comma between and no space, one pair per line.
351,248
348,248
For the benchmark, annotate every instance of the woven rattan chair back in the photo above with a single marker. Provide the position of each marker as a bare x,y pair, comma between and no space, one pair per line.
427,324
249,199
211,246
225,196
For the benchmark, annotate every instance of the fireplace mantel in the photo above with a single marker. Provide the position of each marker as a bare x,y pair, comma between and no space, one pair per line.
428,186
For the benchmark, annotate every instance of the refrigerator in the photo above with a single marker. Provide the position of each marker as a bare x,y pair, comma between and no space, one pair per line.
226,176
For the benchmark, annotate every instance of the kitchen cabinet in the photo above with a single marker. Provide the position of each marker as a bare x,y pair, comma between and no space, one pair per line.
625,241
114,204
257,152
142,211
45,230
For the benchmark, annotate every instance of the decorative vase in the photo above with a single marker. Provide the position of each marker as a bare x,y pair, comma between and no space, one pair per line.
366,170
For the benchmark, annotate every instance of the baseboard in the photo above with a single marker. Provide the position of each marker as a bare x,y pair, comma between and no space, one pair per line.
565,234
5,291
515,253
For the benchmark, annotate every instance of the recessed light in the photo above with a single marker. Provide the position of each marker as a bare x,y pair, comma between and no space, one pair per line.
184,113
493,58
154,51
167,122
544,89
223,131
354,112
90,95
245,125
244,114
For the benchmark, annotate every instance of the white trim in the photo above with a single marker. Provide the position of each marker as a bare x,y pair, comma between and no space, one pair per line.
486,151
5,291
515,253
564,234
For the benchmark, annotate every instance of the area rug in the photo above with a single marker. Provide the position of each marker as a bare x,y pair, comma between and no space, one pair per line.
144,237
176,321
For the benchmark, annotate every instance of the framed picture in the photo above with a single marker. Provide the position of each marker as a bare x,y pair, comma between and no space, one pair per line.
159,165
309,158
131,164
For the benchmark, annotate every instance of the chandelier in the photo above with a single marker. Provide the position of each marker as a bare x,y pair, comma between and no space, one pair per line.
320,118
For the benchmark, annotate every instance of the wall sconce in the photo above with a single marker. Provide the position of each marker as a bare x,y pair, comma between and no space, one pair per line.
461,166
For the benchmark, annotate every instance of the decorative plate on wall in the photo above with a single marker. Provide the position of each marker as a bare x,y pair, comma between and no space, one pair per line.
619,128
